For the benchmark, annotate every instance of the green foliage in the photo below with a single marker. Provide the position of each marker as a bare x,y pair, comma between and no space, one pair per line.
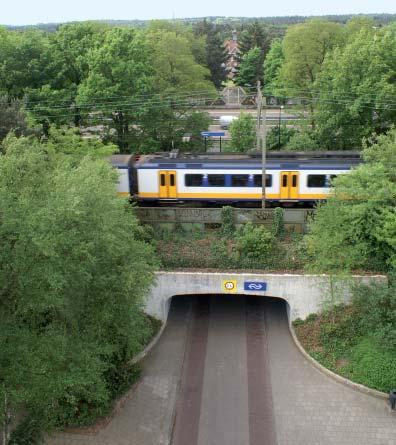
279,137
371,366
254,242
272,65
227,222
255,35
73,276
376,307
12,117
305,47
194,124
215,54
198,249
28,432
359,221
279,224
121,66
357,340
302,141
361,72
243,133
251,68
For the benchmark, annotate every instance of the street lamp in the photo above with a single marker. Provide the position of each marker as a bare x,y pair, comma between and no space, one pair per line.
279,124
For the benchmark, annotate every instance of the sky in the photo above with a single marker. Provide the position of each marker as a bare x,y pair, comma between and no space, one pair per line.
30,12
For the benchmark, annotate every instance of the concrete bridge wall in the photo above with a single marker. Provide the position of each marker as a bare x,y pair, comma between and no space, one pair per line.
304,293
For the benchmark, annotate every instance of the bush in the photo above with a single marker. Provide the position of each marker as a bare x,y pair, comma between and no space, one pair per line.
278,134
302,141
376,310
26,433
279,224
254,242
227,222
243,133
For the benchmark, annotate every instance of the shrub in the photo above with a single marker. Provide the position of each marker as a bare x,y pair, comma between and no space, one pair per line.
227,221
279,224
27,432
254,242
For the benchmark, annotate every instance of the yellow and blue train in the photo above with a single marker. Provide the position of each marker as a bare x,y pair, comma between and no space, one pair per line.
231,178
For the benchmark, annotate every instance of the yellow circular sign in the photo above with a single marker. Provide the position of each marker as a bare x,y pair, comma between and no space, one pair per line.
229,285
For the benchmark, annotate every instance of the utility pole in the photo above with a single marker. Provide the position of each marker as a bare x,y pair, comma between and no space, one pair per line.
262,139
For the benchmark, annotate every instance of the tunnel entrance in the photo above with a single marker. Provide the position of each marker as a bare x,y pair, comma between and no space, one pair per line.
225,394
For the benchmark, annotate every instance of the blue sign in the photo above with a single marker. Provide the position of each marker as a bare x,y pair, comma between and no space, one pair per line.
209,134
255,285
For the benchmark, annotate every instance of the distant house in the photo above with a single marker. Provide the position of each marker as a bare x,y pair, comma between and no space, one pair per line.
232,48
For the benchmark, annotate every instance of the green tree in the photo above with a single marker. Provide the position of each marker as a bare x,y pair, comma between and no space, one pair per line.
251,68
272,65
355,86
23,58
12,117
121,69
305,47
67,66
256,35
243,133
303,140
359,220
73,276
215,54
278,137
177,78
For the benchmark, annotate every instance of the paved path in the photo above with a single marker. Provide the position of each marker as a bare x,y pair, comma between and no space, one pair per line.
243,382
311,408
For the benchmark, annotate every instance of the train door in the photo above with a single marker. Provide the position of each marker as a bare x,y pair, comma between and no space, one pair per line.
289,185
167,184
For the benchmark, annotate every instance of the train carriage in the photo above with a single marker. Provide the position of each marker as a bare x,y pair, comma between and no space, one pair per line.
236,178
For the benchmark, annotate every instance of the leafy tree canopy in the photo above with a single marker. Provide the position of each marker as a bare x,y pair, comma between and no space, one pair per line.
272,65
305,47
359,220
355,85
243,133
73,275
251,68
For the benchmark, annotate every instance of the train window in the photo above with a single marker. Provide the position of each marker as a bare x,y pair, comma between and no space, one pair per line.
294,181
239,180
162,176
192,180
317,181
172,180
216,180
257,180
284,181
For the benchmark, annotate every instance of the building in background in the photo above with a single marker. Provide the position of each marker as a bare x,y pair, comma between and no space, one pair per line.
233,55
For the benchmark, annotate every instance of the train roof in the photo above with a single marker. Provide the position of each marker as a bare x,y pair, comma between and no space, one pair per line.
121,161
285,160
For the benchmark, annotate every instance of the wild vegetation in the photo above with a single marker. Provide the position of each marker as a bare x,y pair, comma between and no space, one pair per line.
359,223
73,274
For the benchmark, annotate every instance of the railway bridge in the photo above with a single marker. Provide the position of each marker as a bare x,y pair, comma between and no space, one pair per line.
303,293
